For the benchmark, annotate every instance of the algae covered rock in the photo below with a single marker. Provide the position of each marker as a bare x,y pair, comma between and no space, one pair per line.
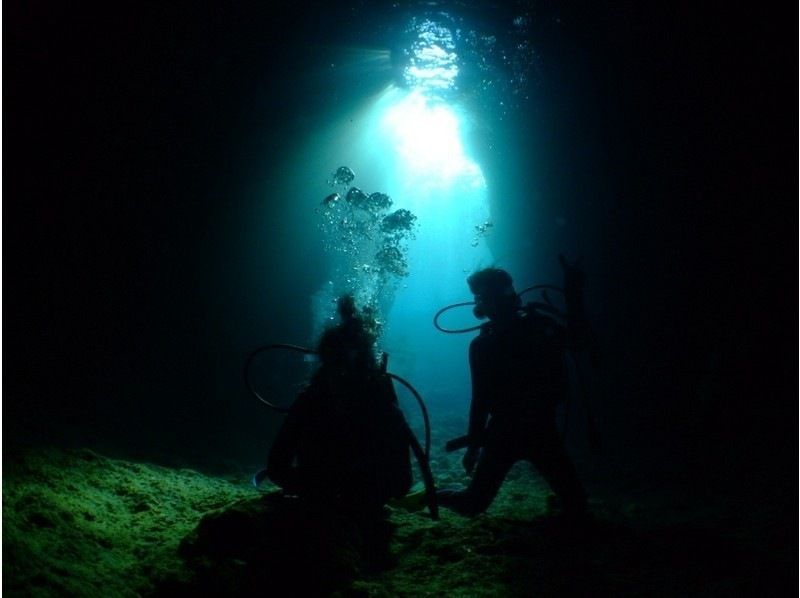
276,542
76,523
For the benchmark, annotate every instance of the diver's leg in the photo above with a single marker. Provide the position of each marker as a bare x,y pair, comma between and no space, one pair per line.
490,472
551,459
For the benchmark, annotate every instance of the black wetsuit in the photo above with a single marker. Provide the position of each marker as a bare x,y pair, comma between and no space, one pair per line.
518,378
344,441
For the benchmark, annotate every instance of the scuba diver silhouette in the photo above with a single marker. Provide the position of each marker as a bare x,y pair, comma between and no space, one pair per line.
341,454
518,378
345,441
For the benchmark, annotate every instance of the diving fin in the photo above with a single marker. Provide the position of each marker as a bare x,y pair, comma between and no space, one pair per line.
414,501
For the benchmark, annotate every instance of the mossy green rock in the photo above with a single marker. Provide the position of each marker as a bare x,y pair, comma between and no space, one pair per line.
76,523
79,524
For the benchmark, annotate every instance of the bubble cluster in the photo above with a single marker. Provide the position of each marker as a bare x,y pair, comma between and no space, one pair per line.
378,202
343,176
357,197
481,230
398,221
368,241
330,199
391,260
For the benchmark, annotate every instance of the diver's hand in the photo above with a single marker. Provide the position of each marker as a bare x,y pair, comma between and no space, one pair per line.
470,459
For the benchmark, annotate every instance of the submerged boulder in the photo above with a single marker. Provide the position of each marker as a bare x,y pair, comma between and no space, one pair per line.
282,544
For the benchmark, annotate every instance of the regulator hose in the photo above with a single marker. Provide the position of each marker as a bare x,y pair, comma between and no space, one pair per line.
422,408
249,362
422,455
536,304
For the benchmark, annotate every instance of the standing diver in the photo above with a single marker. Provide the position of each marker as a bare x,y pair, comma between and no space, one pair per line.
518,378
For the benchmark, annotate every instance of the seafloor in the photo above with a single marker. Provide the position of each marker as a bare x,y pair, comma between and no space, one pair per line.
76,523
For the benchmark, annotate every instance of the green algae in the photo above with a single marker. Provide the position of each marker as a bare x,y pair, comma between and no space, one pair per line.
77,523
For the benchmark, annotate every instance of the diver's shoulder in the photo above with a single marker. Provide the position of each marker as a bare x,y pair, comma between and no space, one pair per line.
485,341
484,334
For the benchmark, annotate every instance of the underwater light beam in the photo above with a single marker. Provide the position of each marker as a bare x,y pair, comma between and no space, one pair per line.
427,137
414,146
409,142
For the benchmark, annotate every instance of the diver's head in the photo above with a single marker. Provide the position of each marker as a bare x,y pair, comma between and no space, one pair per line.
494,293
346,306
348,345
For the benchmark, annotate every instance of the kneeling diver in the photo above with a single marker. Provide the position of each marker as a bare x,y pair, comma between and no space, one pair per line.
345,440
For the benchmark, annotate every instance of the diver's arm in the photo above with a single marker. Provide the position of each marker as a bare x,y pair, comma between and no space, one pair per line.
479,407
